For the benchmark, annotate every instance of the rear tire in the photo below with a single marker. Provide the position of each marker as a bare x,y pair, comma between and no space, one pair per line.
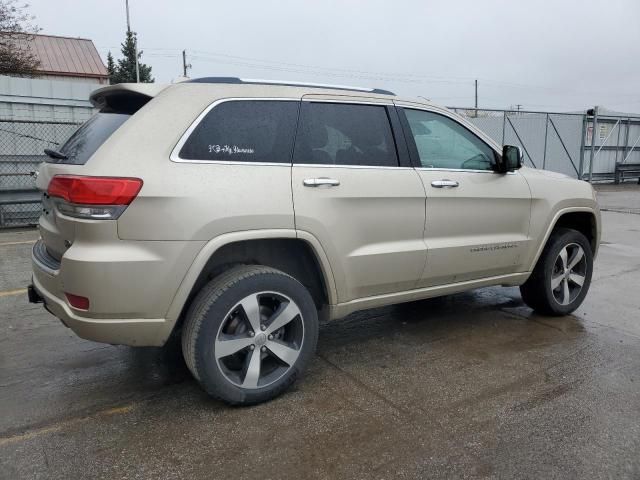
249,334
561,278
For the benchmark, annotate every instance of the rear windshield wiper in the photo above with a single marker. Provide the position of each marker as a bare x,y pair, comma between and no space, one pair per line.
55,154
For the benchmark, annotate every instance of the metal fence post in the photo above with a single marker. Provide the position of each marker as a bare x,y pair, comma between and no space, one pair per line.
582,142
546,130
593,142
504,124
626,140
618,140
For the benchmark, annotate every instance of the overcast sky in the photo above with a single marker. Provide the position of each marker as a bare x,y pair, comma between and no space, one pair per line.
545,55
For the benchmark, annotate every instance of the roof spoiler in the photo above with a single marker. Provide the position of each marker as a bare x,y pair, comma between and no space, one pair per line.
124,97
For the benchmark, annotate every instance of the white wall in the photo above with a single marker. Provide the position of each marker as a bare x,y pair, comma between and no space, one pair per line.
44,99
66,78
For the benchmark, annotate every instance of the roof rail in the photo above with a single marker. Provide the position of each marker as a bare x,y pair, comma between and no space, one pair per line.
251,81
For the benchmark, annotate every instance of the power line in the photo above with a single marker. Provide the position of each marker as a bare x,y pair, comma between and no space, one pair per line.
403,77
316,71
448,79
365,73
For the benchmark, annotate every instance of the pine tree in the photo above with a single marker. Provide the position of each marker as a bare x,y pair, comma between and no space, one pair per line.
111,68
125,69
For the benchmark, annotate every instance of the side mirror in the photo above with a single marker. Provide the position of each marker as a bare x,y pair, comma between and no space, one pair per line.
511,159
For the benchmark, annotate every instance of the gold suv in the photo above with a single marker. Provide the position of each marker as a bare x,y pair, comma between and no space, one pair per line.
237,213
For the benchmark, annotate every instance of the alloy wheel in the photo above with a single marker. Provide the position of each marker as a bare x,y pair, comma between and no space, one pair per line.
569,273
259,340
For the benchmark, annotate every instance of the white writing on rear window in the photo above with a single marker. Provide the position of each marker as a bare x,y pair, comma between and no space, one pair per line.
230,149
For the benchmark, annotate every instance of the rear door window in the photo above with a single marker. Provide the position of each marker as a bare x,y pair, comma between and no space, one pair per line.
244,131
88,138
345,134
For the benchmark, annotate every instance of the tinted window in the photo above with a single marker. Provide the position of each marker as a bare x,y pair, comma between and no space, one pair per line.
86,140
444,143
245,131
345,134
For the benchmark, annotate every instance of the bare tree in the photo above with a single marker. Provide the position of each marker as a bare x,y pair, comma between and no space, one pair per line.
16,35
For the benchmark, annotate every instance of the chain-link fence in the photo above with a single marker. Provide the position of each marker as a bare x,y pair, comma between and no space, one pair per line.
552,141
564,142
22,143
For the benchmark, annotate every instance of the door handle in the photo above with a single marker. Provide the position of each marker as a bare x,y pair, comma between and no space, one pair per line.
444,183
320,182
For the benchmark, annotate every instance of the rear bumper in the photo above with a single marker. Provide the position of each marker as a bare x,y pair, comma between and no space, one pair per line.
130,286
134,332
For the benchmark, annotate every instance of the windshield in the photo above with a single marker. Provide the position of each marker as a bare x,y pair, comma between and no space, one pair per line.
88,138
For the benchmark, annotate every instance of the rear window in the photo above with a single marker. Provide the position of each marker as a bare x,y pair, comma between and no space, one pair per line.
88,138
244,131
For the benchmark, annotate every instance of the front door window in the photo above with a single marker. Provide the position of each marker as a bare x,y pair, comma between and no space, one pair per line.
443,143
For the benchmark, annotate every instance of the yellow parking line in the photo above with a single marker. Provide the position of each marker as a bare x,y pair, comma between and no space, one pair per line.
23,242
8,293
59,426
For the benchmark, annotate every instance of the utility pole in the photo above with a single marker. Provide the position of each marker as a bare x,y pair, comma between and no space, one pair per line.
476,82
185,65
518,106
135,42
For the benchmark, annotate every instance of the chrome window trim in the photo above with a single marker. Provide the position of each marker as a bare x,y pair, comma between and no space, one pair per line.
330,165
231,162
440,169
175,153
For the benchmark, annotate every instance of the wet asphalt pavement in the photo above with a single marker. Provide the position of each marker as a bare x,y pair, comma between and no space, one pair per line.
469,386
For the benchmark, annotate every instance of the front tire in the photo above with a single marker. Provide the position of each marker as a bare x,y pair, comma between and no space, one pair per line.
249,334
562,276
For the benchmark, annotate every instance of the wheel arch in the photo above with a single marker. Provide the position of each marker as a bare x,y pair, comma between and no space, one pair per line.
281,249
583,219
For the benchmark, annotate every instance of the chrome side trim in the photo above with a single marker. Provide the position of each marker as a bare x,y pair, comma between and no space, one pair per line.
345,308
175,153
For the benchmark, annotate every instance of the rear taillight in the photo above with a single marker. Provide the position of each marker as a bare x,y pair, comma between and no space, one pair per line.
99,198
